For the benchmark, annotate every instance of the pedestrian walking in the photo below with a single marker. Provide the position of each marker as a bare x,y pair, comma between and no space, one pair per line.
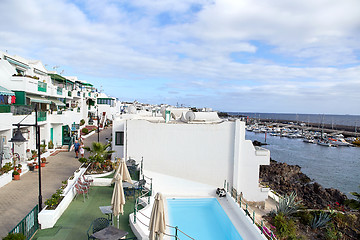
76,147
82,150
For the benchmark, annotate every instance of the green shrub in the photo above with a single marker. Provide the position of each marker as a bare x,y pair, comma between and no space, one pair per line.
15,236
85,131
305,217
55,199
284,227
83,160
82,122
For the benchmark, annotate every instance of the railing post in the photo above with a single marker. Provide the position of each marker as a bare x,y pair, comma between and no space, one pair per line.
246,208
135,214
150,186
149,199
240,201
225,184
262,227
176,232
142,163
253,216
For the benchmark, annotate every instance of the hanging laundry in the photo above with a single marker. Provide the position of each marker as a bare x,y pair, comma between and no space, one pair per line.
13,99
2,99
6,99
9,99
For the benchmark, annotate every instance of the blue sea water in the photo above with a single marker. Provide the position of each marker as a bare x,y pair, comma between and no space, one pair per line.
331,167
347,120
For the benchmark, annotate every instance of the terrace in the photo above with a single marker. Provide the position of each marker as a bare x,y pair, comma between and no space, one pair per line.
77,218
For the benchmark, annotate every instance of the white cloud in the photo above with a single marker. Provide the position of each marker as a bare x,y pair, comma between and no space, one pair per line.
293,49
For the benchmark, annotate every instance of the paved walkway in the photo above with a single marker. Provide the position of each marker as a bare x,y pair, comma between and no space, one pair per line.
17,198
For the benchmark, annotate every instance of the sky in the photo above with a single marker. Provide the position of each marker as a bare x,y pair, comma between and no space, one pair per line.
298,56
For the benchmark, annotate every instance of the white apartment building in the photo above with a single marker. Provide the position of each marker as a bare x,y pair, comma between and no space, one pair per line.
61,102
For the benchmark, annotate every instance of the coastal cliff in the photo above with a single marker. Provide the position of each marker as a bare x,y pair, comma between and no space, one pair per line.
284,179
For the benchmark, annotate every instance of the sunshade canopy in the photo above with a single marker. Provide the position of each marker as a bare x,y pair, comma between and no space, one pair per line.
58,103
38,99
4,91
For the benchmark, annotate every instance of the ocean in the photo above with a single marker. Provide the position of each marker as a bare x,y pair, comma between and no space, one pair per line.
329,166
346,120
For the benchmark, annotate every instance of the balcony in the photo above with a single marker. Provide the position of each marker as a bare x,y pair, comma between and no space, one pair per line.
41,116
42,86
59,90
21,109
69,94
5,109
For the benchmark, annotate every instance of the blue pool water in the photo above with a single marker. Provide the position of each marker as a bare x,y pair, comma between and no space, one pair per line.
201,218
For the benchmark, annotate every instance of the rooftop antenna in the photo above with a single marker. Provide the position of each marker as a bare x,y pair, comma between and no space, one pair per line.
62,71
55,67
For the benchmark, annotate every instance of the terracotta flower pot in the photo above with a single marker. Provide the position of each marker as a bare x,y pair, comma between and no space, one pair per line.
16,177
36,166
42,164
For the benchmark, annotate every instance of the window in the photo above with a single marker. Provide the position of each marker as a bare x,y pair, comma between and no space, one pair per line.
119,138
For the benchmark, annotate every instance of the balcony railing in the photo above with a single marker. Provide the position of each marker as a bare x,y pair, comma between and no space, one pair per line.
59,90
21,109
5,109
69,94
42,86
41,116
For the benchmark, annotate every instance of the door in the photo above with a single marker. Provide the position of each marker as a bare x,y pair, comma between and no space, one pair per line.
65,135
52,134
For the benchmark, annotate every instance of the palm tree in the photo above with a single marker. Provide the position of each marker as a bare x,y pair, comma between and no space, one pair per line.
99,153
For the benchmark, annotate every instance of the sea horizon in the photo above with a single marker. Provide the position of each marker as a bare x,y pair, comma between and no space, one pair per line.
334,119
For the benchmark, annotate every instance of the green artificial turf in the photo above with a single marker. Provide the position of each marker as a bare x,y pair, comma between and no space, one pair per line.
76,220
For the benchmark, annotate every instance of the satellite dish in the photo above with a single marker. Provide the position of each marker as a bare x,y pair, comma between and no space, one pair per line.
190,116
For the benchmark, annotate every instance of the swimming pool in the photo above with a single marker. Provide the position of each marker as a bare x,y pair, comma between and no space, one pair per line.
201,218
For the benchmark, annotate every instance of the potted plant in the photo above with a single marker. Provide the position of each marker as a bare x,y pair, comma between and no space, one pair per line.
36,165
19,168
16,175
43,161
31,166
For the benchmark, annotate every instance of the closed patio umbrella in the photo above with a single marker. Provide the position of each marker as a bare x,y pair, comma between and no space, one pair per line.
118,198
123,170
157,223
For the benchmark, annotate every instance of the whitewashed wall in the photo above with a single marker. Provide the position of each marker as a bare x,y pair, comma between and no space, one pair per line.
198,152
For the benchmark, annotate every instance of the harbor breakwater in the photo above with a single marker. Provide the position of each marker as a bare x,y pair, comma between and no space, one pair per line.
348,125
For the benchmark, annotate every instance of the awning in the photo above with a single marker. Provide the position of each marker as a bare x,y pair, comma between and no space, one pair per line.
58,103
16,62
4,91
38,99
60,78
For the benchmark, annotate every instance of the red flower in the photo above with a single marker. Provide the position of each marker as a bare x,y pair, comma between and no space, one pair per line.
337,203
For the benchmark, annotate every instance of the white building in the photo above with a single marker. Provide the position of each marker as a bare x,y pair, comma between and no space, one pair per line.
62,102
198,147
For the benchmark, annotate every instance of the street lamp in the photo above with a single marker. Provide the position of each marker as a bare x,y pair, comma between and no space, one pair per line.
18,139
98,120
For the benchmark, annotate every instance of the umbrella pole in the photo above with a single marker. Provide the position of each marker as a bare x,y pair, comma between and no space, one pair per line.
118,219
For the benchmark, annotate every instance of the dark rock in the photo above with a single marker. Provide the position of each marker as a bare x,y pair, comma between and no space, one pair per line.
284,179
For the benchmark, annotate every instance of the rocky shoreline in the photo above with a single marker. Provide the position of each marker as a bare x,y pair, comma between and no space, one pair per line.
284,179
